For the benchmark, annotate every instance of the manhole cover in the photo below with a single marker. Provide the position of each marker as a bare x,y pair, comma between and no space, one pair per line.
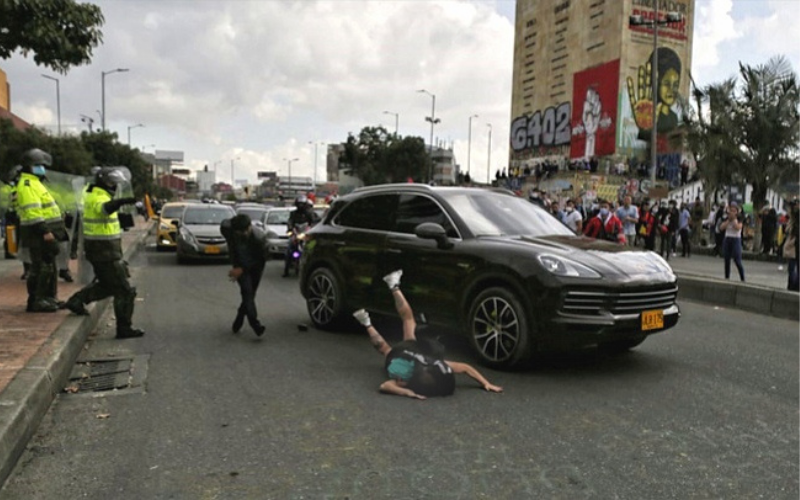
109,374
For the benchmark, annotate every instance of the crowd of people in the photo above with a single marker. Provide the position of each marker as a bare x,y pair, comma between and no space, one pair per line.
667,227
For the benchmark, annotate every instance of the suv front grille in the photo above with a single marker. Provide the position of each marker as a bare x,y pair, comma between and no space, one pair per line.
633,302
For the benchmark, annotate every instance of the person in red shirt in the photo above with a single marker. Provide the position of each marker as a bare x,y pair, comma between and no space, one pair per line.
649,221
605,225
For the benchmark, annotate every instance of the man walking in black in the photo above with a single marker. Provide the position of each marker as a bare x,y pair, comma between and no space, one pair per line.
248,250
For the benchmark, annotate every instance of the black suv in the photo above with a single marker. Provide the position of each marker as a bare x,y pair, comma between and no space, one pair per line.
487,264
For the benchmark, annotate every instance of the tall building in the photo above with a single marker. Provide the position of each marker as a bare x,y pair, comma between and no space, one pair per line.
581,82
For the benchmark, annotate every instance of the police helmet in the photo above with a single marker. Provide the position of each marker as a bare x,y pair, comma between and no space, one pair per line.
301,201
109,177
36,157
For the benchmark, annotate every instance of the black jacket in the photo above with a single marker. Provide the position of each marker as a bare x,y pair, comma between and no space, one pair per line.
248,252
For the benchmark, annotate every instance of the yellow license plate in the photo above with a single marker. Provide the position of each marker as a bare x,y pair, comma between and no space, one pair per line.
652,320
212,249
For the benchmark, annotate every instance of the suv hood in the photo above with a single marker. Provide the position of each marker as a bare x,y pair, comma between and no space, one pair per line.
607,258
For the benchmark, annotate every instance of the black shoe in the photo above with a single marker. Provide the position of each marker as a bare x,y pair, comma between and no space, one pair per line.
42,306
285,274
75,305
129,333
237,323
65,275
24,276
260,329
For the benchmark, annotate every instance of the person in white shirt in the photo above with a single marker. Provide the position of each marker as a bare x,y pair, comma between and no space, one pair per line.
572,218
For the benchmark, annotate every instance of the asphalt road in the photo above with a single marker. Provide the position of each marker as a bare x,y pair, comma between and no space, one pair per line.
706,410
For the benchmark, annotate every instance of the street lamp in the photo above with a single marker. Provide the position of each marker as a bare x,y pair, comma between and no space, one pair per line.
433,120
489,161
469,141
290,169
129,131
103,91
315,161
637,20
58,99
88,120
396,120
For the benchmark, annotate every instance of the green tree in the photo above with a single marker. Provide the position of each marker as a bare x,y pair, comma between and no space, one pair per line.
60,34
378,157
750,133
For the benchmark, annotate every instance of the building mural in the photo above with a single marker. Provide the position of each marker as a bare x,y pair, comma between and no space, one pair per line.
582,79
594,116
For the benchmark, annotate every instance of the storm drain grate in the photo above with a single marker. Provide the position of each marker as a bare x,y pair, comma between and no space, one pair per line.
101,375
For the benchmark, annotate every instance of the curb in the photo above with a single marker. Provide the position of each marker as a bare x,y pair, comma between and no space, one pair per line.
751,298
27,398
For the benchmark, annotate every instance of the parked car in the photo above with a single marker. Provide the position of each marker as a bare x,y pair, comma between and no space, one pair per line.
275,222
167,232
198,232
485,263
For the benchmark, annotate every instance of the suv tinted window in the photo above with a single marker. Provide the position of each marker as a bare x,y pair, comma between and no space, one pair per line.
414,209
369,212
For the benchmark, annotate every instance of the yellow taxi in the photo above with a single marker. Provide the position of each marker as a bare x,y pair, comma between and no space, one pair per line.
167,232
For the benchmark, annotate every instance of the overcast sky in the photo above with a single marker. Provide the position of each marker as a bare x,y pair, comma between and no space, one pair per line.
259,80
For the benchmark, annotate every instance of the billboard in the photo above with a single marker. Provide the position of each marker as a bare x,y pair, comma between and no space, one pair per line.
594,110
163,155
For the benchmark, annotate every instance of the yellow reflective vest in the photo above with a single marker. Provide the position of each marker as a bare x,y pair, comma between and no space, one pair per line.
102,235
37,209
98,225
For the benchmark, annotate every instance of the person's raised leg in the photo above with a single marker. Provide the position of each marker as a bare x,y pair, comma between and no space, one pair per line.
401,305
375,338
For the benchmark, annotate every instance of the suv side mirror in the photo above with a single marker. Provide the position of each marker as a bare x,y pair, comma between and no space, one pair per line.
176,223
433,231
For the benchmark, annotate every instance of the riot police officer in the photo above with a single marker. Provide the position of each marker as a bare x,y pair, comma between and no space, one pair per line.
302,214
41,230
102,240
8,202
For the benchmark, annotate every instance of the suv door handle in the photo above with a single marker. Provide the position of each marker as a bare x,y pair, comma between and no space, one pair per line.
339,243
393,250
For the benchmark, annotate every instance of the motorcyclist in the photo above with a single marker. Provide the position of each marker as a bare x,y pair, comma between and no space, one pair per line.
102,237
302,214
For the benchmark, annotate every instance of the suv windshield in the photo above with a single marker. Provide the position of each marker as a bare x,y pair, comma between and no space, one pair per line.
207,215
496,214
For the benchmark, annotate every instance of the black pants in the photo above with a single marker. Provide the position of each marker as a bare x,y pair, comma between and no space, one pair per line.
686,245
667,244
42,275
111,279
248,286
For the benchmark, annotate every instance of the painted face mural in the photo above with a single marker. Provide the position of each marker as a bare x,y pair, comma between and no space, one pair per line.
641,94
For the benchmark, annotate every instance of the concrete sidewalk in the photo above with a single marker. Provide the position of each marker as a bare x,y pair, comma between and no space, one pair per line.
38,351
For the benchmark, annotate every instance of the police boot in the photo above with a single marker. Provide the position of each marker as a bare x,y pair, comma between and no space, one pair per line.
129,332
42,305
76,306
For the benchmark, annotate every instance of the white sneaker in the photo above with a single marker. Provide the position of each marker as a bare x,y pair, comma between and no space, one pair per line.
363,317
393,279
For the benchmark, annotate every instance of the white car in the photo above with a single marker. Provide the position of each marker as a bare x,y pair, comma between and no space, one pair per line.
275,221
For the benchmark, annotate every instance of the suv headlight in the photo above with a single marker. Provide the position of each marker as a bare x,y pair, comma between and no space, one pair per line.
565,267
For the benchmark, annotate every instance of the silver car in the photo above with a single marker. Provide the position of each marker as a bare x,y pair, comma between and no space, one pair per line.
198,232
275,225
